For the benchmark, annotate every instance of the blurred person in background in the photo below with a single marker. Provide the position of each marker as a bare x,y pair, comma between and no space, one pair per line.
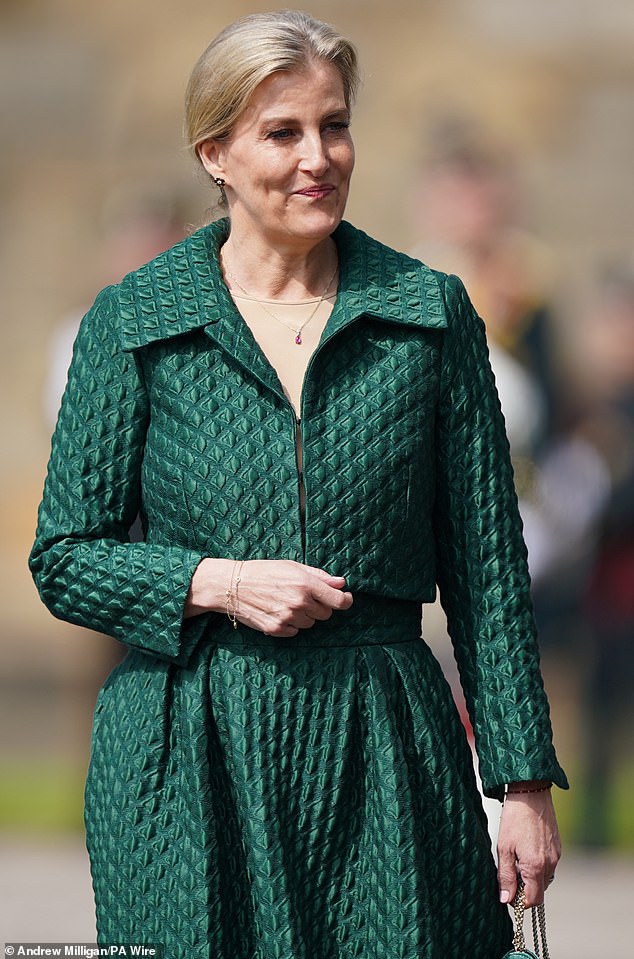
468,209
605,425
584,594
594,462
308,424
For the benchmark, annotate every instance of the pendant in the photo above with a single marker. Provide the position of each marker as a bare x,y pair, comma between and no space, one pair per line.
298,338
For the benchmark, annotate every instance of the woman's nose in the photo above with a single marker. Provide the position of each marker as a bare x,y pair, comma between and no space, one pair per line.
314,158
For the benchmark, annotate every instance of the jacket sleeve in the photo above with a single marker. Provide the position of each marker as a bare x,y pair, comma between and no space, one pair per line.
86,570
482,568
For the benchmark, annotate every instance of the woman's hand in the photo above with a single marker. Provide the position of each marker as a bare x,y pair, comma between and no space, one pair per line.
277,597
528,844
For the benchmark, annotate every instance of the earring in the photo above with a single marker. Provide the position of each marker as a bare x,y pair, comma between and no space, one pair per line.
220,183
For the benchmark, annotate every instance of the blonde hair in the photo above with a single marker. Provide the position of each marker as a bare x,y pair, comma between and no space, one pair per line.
246,53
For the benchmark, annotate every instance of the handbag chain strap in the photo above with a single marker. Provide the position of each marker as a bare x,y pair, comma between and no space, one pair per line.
538,917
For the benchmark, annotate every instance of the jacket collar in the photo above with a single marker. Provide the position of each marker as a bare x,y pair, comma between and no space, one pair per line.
183,290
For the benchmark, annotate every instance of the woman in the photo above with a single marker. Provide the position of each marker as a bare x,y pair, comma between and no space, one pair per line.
277,767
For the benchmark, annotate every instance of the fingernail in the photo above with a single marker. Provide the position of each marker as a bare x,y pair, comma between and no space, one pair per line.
505,896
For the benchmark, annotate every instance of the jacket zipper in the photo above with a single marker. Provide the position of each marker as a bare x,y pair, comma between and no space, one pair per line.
297,435
301,473
301,487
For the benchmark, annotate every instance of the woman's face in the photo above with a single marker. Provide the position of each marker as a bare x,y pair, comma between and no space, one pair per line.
288,162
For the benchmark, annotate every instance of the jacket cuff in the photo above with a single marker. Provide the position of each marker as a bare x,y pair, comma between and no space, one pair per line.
159,627
517,770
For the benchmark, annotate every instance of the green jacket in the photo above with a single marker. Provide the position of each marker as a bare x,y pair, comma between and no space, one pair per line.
173,412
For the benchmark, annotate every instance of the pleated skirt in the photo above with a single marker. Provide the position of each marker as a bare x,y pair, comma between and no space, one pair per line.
304,798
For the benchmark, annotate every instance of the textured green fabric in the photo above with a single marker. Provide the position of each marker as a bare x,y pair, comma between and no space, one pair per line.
311,798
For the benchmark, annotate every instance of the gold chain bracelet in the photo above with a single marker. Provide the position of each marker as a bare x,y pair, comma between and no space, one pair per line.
232,602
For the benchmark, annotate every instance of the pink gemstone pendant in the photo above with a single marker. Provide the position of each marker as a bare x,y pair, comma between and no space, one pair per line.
298,339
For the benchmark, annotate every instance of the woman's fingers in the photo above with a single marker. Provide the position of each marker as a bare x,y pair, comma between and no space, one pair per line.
528,844
323,575
280,597
332,597
507,874
330,589
533,880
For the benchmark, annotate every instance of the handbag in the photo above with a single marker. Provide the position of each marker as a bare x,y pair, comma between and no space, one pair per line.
538,918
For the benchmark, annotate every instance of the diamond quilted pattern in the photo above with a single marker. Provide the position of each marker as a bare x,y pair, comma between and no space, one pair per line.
314,798
291,799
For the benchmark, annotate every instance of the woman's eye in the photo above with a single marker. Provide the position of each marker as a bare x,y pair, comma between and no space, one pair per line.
280,134
338,126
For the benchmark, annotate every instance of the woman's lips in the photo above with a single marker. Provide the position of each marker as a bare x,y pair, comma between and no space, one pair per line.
317,192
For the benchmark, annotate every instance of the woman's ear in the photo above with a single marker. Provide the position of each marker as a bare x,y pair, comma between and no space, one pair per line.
210,153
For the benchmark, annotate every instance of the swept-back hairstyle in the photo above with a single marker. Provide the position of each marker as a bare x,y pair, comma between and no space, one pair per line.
244,54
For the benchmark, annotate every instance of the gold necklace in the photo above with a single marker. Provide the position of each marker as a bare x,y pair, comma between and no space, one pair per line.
297,330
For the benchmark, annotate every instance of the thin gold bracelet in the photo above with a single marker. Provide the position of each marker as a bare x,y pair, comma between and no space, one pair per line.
231,610
236,607
535,789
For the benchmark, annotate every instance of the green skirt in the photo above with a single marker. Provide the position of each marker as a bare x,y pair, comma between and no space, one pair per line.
304,798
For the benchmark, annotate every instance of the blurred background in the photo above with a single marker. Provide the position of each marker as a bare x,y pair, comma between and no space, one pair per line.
495,139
